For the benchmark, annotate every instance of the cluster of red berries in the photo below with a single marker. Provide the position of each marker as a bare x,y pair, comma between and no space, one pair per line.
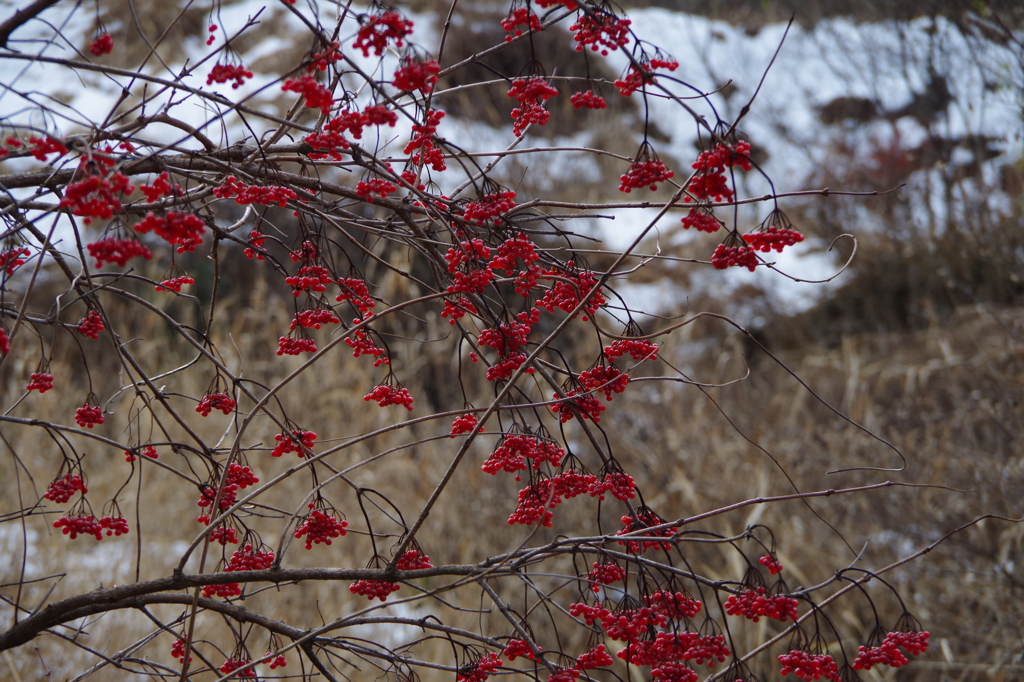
605,574
771,563
379,29
637,77
101,46
314,318
473,251
519,648
520,20
415,75
757,603
605,379
91,325
174,284
322,60
357,293
507,365
42,146
422,143
96,196
310,278
315,96
253,194
119,251
456,311
319,527
256,239
674,605
11,259
374,589
288,345
709,182
88,416
598,657
587,100
480,669
537,501
490,206
701,220
150,452
225,535
207,495
577,403
244,559
234,666
809,666
5,341
670,648
160,188
644,173
638,349
515,449
222,73
74,526
241,475
362,344
888,652
40,381
601,31
734,256
184,230
216,401
645,519
463,424
531,93
390,395
375,187
568,289
278,661
61,490
286,443
770,238
178,650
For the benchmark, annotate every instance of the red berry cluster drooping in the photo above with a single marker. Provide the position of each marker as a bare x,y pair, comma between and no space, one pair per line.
174,283
91,325
357,293
319,527
278,661
374,589
73,526
216,401
43,146
605,574
40,381
709,181
253,194
243,559
515,449
314,95
322,60
734,256
119,251
598,657
150,452
184,230
178,650
225,535
458,310
160,188
233,666
757,603
101,46
61,490
11,259
644,173
531,93
770,238
375,33
423,144
114,525
222,73
463,424
637,77
701,220
568,289
96,195
645,519
390,395
809,666
375,187
638,349
314,318
490,206
288,345
601,31
362,344
519,21
88,416
480,669
414,75
286,444
587,100
519,648
770,562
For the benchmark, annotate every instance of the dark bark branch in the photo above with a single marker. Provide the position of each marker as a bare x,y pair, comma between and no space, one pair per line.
22,17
